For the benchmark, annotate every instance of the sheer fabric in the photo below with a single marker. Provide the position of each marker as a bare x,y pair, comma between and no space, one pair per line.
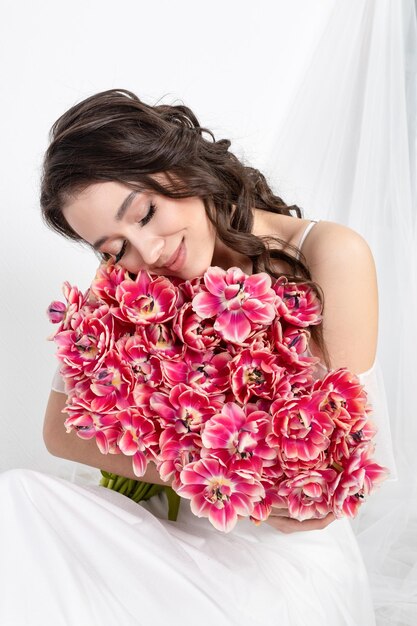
86,555
346,152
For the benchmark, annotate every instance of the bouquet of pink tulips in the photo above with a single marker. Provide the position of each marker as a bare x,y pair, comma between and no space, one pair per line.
209,379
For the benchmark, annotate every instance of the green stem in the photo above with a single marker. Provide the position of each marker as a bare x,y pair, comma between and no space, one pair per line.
138,491
105,478
131,484
124,488
153,490
119,482
173,503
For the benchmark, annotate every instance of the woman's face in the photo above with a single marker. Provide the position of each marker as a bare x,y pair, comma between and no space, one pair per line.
144,230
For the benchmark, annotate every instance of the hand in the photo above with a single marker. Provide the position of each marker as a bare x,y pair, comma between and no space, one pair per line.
279,519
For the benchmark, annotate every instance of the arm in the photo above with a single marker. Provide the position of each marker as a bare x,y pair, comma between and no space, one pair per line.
69,446
341,262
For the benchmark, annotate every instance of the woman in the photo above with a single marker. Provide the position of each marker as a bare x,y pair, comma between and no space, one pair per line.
143,186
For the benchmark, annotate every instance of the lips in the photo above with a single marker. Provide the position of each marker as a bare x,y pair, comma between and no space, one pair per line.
177,260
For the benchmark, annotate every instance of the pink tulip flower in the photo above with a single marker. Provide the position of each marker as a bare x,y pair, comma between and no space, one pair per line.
308,494
300,428
358,478
238,302
218,493
146,300
297,303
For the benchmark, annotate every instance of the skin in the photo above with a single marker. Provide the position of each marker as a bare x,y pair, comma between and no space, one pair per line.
153,238
339,259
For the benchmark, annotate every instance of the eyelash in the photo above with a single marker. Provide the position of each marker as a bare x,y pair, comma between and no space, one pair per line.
142,222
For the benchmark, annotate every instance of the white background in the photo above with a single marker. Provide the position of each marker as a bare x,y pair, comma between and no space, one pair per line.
236,64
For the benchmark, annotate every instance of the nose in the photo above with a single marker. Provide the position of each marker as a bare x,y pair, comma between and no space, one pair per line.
146,251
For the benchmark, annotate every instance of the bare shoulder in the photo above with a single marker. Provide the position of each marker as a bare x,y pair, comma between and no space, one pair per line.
341,262
332,242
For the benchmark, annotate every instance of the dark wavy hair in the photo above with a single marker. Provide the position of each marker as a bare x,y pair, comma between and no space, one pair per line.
114,136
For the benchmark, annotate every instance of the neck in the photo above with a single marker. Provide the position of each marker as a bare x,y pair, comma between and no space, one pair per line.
226,257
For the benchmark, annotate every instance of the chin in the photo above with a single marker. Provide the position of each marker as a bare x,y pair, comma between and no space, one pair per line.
188,273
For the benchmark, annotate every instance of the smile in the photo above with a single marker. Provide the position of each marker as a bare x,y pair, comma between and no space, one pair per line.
176,262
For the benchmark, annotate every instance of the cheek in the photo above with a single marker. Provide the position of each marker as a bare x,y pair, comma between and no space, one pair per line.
203,225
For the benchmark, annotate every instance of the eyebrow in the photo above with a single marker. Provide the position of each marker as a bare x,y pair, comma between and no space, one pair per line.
118,217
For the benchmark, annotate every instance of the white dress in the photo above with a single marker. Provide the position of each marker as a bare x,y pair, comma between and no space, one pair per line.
87,556
76,555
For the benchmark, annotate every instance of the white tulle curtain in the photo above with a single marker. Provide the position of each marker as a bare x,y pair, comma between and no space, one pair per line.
346,152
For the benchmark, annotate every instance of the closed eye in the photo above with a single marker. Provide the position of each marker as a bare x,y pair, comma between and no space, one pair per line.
121,252
145,220
149,215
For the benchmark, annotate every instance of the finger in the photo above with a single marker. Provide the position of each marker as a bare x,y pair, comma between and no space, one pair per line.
279,513
311,524
288,525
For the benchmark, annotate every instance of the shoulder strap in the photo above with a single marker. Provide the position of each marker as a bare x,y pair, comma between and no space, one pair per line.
306,231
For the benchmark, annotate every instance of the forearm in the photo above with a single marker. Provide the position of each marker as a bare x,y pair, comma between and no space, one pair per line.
70,446
84,451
